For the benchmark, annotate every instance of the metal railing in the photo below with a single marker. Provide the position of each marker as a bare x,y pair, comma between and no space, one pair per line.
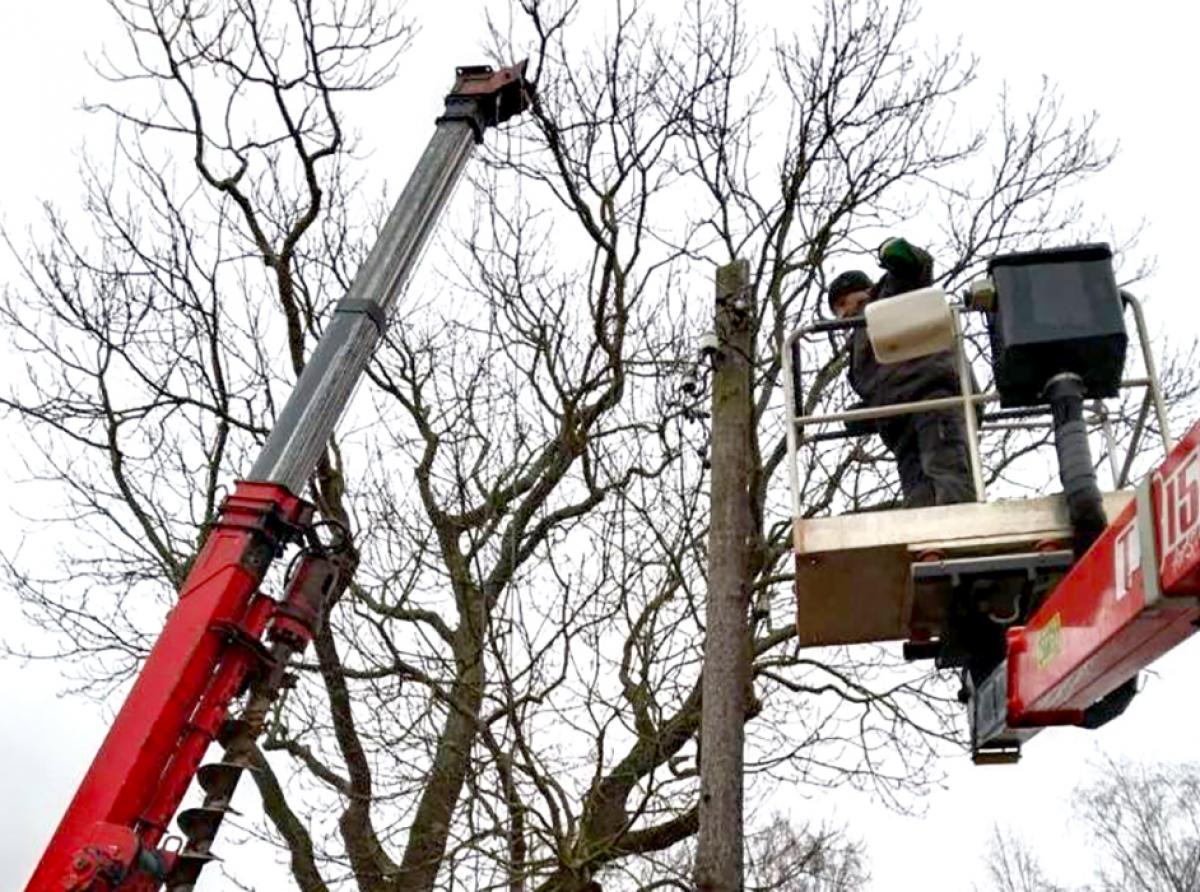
967,401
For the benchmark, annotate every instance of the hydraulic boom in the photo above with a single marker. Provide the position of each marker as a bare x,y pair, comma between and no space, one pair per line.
211,650
1130,598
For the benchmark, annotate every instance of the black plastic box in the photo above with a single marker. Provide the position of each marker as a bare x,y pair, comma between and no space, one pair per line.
1056,311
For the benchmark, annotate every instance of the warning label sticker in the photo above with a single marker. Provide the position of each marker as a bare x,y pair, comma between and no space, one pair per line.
1049,641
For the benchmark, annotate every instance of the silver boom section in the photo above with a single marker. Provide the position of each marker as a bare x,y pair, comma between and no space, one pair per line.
333,370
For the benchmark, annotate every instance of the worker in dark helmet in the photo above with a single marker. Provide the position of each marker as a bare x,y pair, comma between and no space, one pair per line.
930,447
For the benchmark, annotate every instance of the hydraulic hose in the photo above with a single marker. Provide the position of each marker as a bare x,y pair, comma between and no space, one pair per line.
1085,506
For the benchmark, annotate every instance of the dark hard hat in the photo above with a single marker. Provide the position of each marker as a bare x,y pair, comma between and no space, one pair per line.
848,282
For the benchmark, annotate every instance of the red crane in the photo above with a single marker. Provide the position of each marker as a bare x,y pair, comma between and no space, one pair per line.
225,637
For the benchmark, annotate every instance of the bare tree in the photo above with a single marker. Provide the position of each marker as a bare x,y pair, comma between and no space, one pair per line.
1145,822
507,694
1144,831
1013,867
780,857
787,859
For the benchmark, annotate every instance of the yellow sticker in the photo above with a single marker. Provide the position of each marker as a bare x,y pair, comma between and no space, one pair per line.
1049,641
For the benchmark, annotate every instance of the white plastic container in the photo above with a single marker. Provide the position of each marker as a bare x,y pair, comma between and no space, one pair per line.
917,323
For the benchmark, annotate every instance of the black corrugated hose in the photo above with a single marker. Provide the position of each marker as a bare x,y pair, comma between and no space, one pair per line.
1085,505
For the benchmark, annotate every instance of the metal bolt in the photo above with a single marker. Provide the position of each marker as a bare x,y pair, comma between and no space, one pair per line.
981,294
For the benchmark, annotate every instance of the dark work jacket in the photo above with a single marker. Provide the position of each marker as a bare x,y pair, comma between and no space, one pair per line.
925,377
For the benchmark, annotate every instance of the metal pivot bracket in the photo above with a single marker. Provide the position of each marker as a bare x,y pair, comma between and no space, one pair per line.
485,97
1025,564
983,596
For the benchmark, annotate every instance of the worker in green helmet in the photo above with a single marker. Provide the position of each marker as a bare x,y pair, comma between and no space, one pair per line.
930,447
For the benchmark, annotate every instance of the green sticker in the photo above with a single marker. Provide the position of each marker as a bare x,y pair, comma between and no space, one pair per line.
1049,641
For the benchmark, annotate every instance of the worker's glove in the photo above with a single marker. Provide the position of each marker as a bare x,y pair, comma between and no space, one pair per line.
861,427
906,261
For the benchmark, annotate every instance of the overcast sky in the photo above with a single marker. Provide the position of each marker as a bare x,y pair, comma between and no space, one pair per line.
1133,62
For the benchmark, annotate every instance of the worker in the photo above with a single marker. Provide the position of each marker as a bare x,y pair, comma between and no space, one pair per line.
930,447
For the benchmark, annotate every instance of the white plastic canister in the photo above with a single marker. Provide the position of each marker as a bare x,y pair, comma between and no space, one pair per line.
909,325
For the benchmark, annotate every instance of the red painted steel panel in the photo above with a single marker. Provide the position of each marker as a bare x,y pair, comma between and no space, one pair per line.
1168,629
1175,490
1086,613
236,663
1097,628
145,733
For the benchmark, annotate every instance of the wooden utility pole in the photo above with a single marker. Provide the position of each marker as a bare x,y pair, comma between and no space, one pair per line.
726,676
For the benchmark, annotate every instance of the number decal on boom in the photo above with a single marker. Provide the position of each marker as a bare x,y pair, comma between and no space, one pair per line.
1127,558
1179,511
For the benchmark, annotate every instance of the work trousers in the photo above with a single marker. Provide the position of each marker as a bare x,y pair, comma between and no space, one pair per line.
931,456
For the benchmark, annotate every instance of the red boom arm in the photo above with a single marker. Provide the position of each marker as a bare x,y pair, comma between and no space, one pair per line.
1130,599
151,751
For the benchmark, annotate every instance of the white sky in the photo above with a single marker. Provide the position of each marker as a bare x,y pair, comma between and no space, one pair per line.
1130,61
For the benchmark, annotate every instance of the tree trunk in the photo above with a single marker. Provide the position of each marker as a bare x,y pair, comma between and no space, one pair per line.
435,808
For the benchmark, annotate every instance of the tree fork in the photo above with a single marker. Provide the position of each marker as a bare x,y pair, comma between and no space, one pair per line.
726,674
